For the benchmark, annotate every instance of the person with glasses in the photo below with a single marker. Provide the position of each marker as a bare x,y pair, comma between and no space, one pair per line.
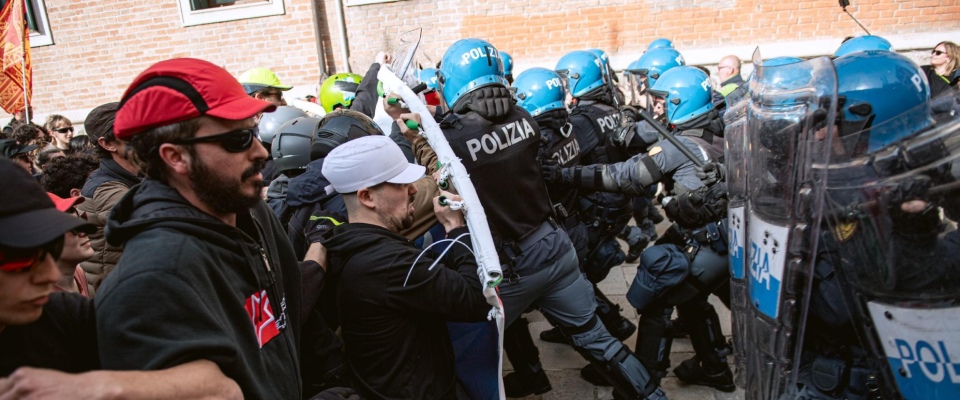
944,64
48,338
263,84
207,272
104,188
61,130
76,248
731,86
19,153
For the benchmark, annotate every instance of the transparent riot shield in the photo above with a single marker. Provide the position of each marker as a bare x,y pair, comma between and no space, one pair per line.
892,214
735,147
402,60
788,105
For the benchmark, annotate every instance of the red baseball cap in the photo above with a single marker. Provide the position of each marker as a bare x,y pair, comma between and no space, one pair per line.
176,90
64,204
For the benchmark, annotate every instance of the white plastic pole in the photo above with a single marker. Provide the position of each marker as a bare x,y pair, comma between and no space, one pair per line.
483,246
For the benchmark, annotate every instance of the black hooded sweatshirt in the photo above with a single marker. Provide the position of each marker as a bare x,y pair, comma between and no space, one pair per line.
395,335
191,287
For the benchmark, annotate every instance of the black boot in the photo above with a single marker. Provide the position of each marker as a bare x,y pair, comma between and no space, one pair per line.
609,313
694,372
528,376
709,367
636,242
553,335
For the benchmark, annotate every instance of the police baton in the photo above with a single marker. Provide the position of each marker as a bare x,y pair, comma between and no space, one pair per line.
672,139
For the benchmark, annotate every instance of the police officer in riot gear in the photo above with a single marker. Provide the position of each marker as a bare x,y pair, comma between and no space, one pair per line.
872,227
641,75
686,266
594,117
497,140
541,92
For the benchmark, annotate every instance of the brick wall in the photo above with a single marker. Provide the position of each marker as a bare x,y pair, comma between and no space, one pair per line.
540,31
100,46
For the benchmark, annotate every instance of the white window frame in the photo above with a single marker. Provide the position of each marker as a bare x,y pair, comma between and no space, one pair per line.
44,36
349,3
189,17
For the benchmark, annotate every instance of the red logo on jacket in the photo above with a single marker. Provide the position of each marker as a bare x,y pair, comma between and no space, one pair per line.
265,325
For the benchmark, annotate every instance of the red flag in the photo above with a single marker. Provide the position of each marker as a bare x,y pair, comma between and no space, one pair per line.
17,74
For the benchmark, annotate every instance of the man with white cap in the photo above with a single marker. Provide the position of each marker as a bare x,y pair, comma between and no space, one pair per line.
394,301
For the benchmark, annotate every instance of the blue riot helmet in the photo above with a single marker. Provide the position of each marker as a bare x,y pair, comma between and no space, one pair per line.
429,76
863,43
605,60
653,64
660,44
540,90
686,91
883,97
507,66
469,64
583,72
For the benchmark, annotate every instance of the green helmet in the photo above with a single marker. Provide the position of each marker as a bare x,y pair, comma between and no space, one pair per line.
260,78
339,90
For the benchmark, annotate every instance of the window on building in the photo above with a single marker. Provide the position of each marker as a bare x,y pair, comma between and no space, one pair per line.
37,22
363,2
199,12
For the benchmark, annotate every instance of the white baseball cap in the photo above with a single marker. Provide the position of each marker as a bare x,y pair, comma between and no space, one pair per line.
365,162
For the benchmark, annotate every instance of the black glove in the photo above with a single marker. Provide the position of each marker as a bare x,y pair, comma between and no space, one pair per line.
913,188
711,173
551,169
699,207
320,223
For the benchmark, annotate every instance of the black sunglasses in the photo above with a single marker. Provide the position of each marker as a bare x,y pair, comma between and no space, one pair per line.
235,141
938,52
64,130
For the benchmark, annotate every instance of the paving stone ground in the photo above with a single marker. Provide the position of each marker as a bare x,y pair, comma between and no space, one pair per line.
563,364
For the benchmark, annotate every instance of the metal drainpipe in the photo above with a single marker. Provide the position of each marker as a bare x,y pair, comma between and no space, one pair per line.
343,33
317,31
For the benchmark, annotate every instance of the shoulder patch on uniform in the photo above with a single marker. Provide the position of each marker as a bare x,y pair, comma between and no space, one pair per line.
844,231
654,151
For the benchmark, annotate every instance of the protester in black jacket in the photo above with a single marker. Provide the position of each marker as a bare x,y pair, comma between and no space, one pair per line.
393,302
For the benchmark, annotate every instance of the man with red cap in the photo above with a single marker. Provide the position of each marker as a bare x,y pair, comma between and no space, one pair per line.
207,272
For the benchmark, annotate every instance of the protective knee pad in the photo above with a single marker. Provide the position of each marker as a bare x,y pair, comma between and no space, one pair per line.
706,334
603,258
661,268
654,341
614,361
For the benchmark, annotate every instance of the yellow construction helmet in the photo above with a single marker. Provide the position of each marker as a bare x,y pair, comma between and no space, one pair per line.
260,78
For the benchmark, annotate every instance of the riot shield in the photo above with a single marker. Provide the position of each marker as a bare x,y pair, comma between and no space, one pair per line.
899,266
735,147
788,105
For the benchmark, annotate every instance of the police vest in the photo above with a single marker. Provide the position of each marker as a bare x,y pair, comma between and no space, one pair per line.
502,155
604,121
562,145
